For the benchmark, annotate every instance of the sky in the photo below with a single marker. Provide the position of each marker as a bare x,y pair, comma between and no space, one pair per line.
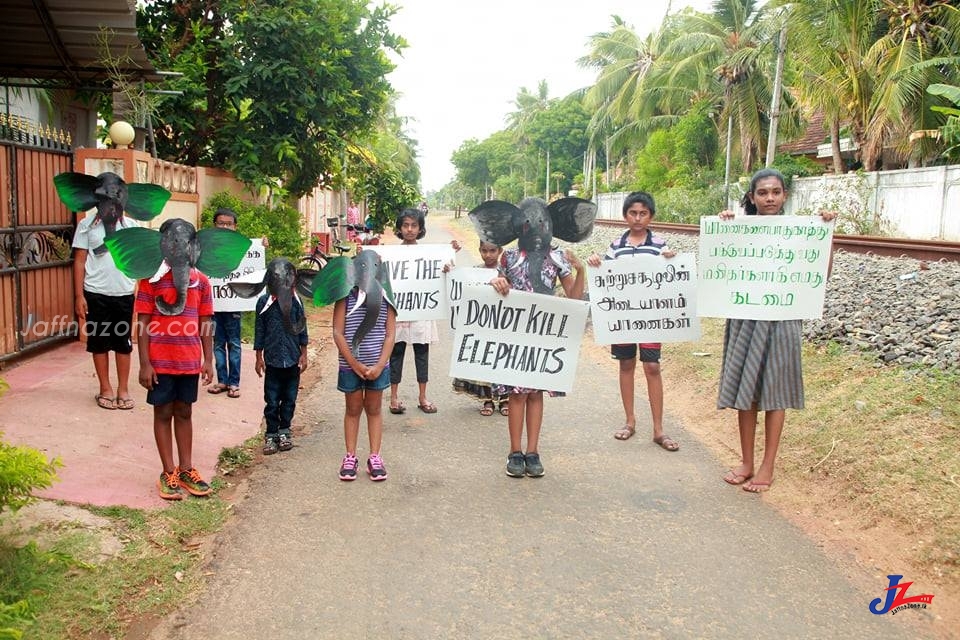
467,60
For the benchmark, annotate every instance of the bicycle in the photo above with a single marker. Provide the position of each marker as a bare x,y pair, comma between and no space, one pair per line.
317,259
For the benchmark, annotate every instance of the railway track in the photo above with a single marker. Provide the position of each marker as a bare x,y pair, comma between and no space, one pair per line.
929,250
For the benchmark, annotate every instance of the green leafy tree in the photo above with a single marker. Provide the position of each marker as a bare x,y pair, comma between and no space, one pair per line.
280,224
23,470
272,90
561,129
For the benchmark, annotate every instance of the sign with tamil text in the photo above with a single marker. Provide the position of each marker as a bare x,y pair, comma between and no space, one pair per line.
417,278
763,267
251,269
644,298
521,339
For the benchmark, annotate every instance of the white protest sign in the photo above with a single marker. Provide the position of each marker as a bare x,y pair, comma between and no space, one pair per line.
644,298
763,267
456,278
250,269
417,278
521,339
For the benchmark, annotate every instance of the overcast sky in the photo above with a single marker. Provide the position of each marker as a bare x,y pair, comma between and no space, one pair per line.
468,59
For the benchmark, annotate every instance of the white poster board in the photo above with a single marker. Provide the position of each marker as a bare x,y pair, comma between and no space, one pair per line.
521,339
456,279
250,269
644,298
417,278
763,267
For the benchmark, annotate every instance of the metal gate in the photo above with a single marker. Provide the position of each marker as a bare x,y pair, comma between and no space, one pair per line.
36,235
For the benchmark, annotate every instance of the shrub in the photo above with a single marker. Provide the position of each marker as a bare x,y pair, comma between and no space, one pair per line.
22,470
281,224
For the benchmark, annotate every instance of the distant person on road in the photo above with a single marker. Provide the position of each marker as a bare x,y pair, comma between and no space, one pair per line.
424,209
761,368
280,344
638,211
490,401
410,228
364,345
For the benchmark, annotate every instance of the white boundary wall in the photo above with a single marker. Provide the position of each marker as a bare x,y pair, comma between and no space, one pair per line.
922,204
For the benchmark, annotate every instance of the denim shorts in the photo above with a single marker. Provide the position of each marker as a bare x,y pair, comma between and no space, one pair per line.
649,351
348,381
170,388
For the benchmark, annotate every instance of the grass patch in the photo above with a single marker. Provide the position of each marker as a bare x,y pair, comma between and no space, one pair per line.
232,459
49,593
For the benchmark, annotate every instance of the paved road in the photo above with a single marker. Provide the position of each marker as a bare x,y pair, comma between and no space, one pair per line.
618,540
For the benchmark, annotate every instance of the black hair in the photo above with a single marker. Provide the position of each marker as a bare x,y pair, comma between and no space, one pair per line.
748,206
641,197
413,214
223,211
492,244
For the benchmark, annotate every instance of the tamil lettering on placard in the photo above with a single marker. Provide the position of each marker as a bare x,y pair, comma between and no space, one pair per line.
763,267
417,278
456,279
644,299
250,269
521,339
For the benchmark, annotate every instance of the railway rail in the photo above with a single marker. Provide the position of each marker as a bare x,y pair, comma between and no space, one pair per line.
929,250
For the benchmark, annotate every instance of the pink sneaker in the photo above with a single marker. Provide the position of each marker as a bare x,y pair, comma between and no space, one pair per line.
375,468
348,467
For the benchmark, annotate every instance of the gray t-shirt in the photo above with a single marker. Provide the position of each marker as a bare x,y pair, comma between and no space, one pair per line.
100,272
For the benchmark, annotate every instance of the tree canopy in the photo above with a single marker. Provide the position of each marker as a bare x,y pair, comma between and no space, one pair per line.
273,90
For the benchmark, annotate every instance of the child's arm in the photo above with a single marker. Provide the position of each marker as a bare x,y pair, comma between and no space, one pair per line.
206,342
259,366
303,358
147,377
79,273
573,286
340,339
377,369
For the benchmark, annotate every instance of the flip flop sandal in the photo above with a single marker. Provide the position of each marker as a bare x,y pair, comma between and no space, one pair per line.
217,388
104,402
233,392
397,410
732,477
624,433
487,409
124,403
667,443
504,408
428,407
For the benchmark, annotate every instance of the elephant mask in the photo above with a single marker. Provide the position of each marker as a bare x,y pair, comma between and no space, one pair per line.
365,271
111,196
281,279
178,247
534,224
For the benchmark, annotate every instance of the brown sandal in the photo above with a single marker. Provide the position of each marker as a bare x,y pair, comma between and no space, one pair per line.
625,433
216,388
487,408
233,392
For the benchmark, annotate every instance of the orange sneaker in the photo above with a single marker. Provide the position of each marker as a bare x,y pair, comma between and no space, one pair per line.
192,482
169,486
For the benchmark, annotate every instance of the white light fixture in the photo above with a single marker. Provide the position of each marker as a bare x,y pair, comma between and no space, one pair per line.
121,133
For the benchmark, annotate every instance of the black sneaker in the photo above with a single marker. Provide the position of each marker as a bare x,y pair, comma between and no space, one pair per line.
533,465
348,468
284,443
270,446
516,464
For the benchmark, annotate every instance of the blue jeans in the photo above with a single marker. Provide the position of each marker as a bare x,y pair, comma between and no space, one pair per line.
226,347
280,385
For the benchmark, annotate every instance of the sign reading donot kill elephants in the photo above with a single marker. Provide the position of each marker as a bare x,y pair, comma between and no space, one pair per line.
763,267
521,339
456,278
250,269
644,299
417,278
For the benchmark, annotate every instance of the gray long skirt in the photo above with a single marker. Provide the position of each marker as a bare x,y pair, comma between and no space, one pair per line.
762,366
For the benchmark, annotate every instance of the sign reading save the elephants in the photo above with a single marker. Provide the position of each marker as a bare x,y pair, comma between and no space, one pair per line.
521,339
251,270
644,299
763,267
416,277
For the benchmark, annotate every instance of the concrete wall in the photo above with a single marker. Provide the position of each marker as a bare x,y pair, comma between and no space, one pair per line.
922,204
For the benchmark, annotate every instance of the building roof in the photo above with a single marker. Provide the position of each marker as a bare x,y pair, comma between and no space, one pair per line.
813,136
59,42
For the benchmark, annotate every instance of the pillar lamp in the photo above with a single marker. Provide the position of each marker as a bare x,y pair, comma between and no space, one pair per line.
122,134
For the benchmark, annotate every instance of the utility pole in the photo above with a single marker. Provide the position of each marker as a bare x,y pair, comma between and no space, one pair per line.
775,102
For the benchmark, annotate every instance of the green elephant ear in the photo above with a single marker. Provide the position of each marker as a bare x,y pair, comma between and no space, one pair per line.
146,201
221,251
76,190
334,281
135,251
